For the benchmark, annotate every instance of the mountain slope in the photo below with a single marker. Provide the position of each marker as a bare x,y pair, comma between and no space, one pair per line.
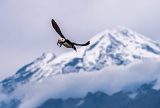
144,97
119,46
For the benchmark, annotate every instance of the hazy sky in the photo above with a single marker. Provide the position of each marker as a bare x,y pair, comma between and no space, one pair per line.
26,31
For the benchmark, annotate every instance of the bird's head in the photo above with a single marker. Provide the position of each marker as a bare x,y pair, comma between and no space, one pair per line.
61,40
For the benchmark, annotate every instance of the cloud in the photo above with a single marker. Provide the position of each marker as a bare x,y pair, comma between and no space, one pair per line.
109,80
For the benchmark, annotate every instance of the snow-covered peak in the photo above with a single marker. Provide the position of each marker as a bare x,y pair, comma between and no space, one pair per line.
125,31
121,46
118,47
24,74
45,59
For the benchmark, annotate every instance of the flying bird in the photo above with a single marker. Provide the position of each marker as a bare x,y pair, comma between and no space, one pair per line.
63,41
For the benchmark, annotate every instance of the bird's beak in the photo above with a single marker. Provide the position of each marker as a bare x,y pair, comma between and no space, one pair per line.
59,42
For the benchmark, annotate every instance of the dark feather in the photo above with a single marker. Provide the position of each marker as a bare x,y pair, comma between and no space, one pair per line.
82,44
57,29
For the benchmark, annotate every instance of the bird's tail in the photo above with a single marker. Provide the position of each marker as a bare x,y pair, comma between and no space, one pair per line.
82,44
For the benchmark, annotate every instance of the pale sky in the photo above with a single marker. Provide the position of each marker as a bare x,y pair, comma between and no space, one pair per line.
26,31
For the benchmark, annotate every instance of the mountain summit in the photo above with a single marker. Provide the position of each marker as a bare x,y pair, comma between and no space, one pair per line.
118,47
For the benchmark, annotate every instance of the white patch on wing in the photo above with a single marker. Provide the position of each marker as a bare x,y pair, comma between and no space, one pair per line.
67,45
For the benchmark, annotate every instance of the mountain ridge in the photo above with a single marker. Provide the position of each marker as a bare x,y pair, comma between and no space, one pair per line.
118,47
141,98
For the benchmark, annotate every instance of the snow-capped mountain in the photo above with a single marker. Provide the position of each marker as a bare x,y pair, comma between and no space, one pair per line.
119,47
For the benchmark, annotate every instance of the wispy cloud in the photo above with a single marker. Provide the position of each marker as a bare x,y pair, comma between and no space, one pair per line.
108,80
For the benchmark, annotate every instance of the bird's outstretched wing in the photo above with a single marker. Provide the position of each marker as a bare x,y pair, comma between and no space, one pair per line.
82,44
57,29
